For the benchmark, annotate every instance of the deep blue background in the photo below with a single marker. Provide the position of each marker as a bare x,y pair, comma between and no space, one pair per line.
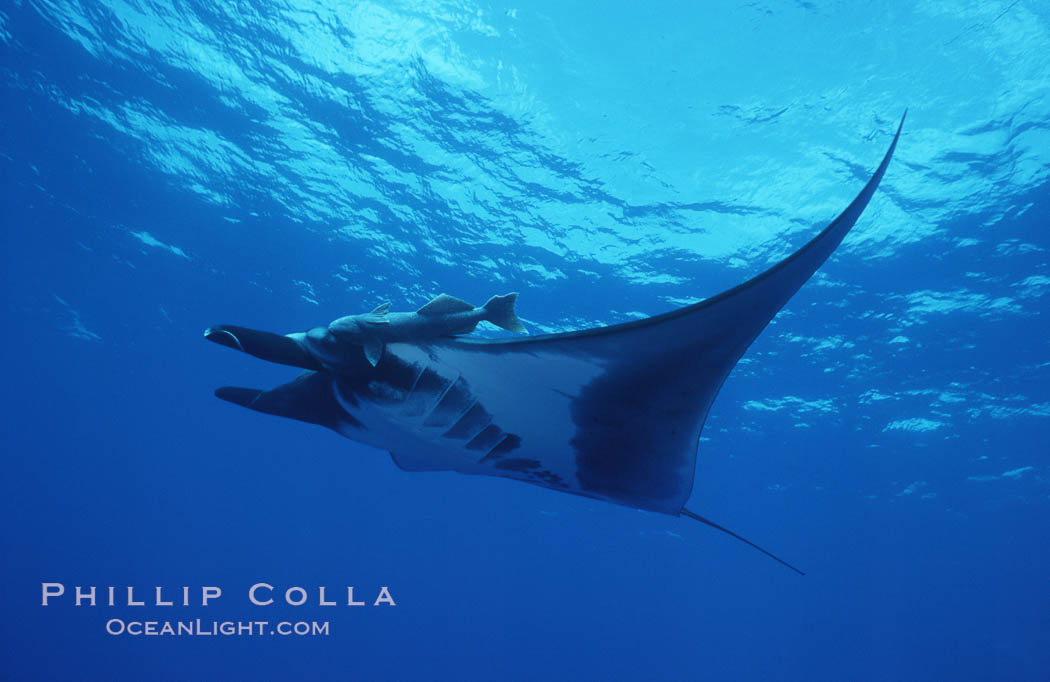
275,166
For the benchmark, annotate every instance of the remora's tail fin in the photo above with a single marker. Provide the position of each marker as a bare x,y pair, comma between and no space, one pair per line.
701,519
499,310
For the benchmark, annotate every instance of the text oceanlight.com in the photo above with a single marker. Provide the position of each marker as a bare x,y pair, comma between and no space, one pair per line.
199,628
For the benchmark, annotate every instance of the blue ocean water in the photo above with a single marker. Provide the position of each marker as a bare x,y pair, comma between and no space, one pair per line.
167,166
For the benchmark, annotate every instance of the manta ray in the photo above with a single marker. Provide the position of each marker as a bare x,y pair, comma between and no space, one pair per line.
613,413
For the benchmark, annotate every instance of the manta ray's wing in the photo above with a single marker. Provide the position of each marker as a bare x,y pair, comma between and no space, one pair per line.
613,413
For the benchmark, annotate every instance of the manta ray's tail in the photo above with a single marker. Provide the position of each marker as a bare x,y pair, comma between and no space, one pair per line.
500,312
714,525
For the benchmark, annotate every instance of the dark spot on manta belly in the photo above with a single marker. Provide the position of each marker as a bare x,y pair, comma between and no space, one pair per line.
628,444
385,391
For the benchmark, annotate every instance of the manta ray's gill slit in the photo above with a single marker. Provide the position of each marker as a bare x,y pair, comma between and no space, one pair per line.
488,438
456,400
421,368
397,380
401,375
429,388
504,447
470,424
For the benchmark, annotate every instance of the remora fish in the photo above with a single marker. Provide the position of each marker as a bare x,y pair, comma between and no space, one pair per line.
444,316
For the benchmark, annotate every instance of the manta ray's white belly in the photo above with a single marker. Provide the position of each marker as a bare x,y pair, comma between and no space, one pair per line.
429,417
